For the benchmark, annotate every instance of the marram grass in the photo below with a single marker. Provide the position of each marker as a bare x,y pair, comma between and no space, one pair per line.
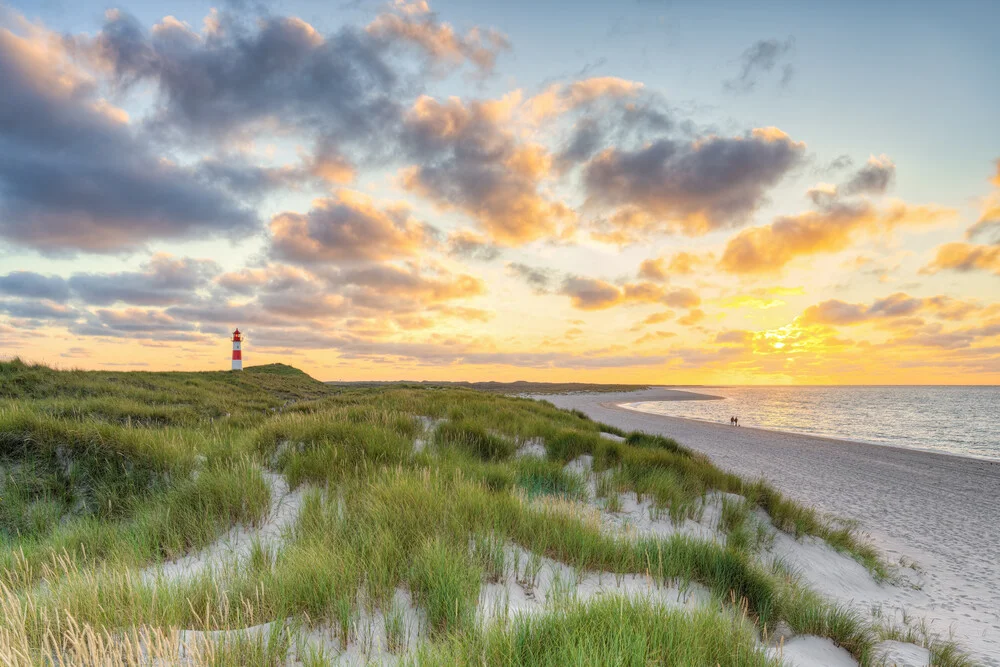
105,475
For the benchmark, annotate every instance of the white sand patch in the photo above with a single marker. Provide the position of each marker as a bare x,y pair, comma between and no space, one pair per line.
376,637
637,519
901,654
810,651
532,447
582,465
826,570
238,542
534,584
427,425
612,436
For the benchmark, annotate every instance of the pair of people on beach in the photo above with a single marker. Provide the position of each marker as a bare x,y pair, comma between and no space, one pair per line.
734,421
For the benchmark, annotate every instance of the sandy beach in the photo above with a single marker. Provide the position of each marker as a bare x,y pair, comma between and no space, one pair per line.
941,512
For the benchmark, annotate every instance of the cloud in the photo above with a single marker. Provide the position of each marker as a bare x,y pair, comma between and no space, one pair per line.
561,98
415,24
690,188
470,245
831,229
656,318
270,278
73,173
840,162
734,336
654,336
250,181
468,158
987,228
348,227
595,294
873,178
660,269
692,318
37,310
368,289
233,78
617,121
137,323
653,269
163,281
590,293
34,285
762,57
540,280
898,305
965,257
391,288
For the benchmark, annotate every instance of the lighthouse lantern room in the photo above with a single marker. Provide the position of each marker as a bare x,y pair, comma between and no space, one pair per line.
237,351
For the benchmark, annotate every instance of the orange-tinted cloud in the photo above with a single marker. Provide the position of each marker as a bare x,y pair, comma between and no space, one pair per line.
595,294
470,159
395,288
655,336
655,318
413,22
965,257
348,227
769,248
835,312
681,263
987,228
692,318
559,98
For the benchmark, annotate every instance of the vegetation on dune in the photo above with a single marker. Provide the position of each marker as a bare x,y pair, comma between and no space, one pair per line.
105,475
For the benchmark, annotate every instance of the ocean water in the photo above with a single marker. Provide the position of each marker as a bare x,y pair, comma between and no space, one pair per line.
958,420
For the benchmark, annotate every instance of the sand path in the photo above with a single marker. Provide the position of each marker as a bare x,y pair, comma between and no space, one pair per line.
939,510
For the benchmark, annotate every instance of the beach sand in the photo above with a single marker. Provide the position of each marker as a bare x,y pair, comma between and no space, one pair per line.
939,511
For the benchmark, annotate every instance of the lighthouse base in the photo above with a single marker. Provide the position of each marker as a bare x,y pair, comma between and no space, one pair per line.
237,364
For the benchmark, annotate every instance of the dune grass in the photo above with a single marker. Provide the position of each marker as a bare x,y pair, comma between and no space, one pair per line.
612,631
107,474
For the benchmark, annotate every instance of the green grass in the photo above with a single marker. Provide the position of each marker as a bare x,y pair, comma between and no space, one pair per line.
540,477
611,631
103,474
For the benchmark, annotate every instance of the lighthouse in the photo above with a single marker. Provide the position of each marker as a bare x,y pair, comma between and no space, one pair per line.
237,352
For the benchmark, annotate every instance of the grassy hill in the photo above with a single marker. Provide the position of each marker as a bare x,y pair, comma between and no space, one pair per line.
266,518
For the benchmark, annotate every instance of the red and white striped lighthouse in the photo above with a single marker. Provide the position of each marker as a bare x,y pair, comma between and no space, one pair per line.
237,351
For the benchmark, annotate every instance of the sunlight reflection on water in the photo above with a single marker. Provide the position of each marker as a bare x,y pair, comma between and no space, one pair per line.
960,420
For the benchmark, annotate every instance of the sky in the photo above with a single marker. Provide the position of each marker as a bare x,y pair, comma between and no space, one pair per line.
646,192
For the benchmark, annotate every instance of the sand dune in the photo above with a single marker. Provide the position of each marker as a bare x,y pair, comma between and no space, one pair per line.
939,511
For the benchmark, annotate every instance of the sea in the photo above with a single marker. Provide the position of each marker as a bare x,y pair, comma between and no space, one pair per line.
953,419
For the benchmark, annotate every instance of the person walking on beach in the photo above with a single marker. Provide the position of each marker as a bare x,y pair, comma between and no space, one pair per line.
732,421
736,421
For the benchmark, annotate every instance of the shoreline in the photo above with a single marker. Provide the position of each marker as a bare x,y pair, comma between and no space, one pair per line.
798,434
668,394
936,509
